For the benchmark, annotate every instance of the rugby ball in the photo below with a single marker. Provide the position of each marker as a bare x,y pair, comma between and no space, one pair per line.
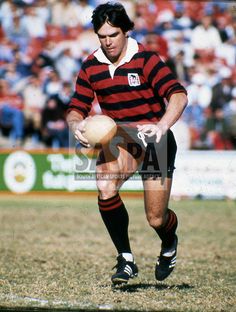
99,130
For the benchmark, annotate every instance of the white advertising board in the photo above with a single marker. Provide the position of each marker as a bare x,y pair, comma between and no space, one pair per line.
211,174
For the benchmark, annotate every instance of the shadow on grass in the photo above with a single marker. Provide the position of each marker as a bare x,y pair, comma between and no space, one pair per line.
142,286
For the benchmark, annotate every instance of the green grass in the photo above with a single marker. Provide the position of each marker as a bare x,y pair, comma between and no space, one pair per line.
55,253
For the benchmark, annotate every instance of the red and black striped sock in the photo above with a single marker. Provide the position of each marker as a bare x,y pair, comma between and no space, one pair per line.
116,220
167,232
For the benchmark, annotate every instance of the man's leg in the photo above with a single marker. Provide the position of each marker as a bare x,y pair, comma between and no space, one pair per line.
163,221
18,124
110,177
116,220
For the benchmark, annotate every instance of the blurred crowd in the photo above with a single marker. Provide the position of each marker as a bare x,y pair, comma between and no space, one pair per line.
43,43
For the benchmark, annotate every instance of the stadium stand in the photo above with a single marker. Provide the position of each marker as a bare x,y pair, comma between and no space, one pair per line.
43,42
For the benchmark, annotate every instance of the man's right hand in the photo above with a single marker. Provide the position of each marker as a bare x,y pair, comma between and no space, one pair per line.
76,124
78,133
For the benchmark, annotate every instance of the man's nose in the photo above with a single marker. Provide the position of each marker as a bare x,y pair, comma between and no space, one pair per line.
108,41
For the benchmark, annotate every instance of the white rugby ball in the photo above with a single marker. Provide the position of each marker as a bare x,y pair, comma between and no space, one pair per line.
99,129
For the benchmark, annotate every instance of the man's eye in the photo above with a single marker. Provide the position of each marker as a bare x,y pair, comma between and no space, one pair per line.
111,36
114,35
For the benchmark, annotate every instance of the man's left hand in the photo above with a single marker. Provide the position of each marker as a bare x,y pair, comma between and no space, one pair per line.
153,129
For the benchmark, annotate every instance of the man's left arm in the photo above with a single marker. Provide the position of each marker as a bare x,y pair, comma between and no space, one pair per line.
174,110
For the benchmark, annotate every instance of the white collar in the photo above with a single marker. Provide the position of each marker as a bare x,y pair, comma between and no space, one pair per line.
132,49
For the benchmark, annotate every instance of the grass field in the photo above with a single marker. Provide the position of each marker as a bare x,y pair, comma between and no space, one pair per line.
55,253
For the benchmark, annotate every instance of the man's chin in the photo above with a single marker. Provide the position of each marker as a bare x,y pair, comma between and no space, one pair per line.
112,58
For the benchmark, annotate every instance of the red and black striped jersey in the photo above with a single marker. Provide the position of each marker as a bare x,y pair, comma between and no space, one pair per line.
137,91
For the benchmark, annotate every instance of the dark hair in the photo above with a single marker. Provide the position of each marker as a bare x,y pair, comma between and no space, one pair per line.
112,13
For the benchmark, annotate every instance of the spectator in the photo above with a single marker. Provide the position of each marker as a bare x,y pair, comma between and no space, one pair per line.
199,91
194,10
64,95
199,96
53,84
156,43
146,12
215,134
223,28
23,63
165,25
16,32
206,36
41,61
217,131
181,21
130,7
179,68
179,43
232,31
226,52
50,51
43,10
65,13
33,24
85,11
11,116
34,102
211,73
85,43
8,9
145,15
222,91
230,116
7,48
11,75
53,127
66,65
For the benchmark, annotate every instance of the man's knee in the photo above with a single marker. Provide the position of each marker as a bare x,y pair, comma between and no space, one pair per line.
156,221
106,189
106,195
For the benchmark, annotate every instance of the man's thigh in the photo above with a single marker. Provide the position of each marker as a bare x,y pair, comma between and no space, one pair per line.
112,174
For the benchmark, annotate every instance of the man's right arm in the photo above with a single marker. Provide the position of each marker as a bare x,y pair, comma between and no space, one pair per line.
80,105
73,118
76,124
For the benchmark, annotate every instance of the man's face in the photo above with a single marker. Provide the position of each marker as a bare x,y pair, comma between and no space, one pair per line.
113,42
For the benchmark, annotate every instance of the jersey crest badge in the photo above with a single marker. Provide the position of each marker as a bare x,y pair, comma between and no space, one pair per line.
133,79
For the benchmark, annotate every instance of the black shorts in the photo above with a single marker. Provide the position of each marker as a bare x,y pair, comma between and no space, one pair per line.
154,159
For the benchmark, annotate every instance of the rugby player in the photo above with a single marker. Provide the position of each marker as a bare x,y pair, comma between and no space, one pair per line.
137,89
